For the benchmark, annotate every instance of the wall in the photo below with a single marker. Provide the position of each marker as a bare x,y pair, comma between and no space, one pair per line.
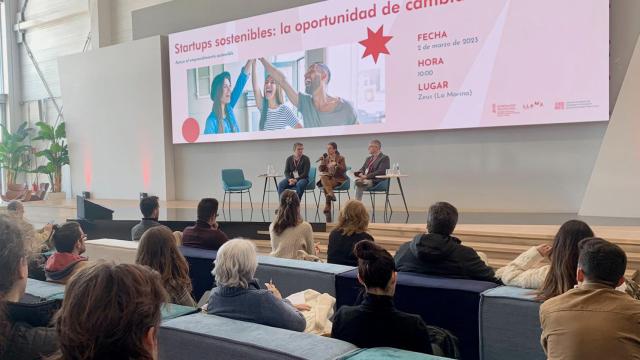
118,128
536,168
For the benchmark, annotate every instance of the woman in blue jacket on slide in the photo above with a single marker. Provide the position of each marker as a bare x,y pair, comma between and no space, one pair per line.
222,119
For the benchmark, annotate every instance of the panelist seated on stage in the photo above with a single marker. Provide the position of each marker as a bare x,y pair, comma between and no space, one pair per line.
150,209
296,171
206,233
376,164
440,254
593,320
333,172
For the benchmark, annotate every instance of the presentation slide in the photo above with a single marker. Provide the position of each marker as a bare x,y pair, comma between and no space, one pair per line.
343,67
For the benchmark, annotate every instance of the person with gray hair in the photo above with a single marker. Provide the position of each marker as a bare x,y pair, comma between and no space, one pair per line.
375,164
238,296
37,240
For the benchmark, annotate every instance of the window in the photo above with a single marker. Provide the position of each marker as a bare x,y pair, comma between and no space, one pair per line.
203,82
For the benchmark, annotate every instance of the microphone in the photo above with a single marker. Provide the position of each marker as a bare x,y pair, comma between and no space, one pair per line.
322,157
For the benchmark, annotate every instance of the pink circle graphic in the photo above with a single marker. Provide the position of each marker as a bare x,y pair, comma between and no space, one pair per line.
190,130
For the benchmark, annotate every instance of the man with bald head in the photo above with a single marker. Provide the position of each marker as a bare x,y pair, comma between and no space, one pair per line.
318,108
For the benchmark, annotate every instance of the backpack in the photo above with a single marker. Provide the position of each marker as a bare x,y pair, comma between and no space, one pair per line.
443,342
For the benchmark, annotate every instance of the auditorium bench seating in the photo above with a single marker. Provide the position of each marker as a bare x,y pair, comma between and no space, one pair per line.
510,325
291,276
118,251
200,266
192,336
451,304
388,353
43,289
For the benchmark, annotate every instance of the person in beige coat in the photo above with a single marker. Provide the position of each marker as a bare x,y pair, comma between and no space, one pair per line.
291,237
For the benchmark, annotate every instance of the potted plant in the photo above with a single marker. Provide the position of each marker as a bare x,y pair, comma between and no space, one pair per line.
15,154
57,155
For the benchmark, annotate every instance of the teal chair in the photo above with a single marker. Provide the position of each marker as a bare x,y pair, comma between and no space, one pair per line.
344,188
233,182
381,188
311,186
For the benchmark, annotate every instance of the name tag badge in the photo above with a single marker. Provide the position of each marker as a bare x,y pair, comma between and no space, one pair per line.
295,174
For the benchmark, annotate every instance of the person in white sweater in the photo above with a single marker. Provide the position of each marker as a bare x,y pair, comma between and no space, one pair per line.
291,237
527,270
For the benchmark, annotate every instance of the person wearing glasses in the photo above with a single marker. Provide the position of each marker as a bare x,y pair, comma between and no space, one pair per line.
206,233
68,240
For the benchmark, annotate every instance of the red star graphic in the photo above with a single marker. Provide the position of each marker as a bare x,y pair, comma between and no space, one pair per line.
375,44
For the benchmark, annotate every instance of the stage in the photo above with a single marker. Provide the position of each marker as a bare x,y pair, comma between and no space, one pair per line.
501,235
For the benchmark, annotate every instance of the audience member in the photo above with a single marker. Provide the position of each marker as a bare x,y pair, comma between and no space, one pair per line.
351,228
237,294
558,277
593,320
376,164
296,172
37,240
439,253
23,327
111,312
333,173
206,233
158,250
291,237
376,322
150,209
68,240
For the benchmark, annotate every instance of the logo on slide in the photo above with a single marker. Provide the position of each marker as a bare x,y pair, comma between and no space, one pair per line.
375,44
190,130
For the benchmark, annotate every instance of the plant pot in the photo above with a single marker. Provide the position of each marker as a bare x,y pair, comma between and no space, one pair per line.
57,195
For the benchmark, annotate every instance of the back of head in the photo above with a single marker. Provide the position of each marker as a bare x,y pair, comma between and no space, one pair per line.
207,207
442,218
288,212
12,253
108,310
14,206
601,261
66,236
375,264
235,264
353,218
564,259
148,205
159,251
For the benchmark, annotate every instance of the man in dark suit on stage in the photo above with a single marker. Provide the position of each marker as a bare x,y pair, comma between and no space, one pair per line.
376,164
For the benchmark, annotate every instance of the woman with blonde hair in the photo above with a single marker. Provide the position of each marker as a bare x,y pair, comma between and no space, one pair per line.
158,250
352,228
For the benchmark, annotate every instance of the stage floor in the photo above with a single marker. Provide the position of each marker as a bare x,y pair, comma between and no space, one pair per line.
41,212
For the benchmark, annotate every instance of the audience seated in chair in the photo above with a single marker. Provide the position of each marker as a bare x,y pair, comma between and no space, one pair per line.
206,233
68,239
37,240
352,227
376,322
593,320
238,294
111,312
559,276
158,250
438,253
23,328
291,237
150,209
